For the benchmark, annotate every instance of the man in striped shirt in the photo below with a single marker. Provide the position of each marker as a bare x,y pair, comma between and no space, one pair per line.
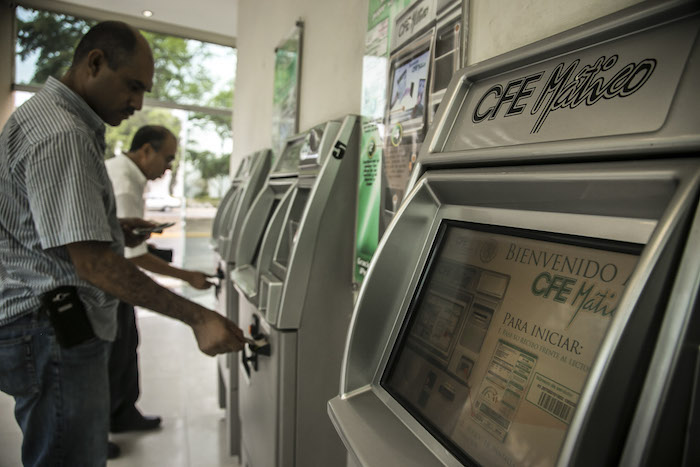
58,227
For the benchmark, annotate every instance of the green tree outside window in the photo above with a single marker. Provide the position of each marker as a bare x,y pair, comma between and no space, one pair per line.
180,78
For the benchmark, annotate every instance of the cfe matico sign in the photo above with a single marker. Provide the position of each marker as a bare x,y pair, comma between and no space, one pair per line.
617,87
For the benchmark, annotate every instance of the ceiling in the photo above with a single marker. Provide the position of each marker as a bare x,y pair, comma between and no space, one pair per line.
212,16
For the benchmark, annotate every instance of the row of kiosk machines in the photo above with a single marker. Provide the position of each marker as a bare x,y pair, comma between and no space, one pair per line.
293,277
430,39
535,300
226,228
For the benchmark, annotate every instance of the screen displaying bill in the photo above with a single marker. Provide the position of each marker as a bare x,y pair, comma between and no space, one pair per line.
408,88
500,337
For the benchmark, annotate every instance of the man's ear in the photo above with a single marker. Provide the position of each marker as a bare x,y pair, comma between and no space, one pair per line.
146,148
95,61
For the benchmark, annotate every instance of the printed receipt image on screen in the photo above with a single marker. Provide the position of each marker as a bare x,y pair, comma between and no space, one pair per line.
408,86
500,338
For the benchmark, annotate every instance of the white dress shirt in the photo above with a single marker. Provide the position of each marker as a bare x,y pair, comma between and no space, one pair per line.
129,183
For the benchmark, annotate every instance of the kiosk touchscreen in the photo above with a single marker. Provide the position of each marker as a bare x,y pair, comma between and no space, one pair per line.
534,302
501,335
227,224
303,308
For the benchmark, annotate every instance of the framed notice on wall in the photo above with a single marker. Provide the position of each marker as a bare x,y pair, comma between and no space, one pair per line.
285,100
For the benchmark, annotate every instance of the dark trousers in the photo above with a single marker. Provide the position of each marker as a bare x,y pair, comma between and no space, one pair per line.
123,365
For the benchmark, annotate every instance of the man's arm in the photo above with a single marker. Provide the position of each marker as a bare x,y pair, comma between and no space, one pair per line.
151,262
96,263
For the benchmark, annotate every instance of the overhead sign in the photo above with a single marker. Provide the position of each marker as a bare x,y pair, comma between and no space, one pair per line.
413,20
614,88
566,86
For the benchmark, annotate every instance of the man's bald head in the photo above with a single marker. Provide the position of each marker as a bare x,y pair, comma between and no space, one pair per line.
112,69
118,41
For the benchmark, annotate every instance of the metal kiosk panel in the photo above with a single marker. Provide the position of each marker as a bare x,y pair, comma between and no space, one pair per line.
242,174
303,308
281,246
248,180
258,220
241,203
534,301
260,223
251,174
228,222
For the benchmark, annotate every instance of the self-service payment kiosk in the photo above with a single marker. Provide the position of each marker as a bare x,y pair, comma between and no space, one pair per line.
535,300
296,300
226,227
426,51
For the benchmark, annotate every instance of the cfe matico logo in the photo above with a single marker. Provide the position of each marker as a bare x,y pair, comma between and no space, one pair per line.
564,87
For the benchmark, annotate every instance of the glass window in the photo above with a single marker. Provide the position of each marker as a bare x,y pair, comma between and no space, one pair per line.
192,95
45,44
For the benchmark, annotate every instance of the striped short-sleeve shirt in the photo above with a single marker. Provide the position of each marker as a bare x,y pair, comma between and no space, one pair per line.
54,191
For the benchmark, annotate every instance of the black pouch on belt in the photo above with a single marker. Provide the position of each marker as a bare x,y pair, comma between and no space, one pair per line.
67,316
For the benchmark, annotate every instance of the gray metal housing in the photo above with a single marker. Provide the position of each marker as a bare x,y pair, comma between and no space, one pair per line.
622,168
245,186
301,307
259,220
247,182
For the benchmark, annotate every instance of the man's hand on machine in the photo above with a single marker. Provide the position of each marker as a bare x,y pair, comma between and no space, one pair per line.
198,280
216,334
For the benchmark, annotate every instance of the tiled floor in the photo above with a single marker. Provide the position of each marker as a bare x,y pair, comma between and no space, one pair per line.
178,382
10,436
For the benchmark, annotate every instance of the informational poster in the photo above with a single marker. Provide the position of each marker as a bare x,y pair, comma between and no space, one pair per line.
368,196
285,98
502,339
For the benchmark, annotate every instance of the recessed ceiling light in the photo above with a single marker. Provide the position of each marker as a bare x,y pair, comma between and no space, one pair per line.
147,13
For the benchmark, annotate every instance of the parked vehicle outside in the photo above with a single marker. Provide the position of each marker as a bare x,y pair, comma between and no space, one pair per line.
162,203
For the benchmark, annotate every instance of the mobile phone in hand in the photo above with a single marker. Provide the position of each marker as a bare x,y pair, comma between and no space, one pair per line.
155,229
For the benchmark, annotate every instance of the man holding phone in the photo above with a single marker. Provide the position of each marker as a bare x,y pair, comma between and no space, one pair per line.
62,269
151,154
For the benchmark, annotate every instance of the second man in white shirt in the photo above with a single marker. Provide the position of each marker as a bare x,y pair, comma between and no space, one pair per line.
152,151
